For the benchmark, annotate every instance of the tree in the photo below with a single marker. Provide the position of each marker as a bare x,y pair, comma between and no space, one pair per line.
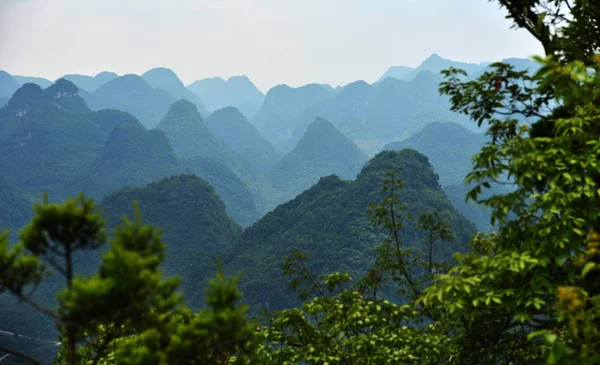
529,292
127,310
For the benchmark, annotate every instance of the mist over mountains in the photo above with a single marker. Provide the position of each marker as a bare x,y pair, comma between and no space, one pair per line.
228,171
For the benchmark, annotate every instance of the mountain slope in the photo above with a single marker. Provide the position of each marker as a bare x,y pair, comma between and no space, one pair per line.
44,147
190,138
109,119
235,193
210,158
165,79
435,64
91,83
237,91
329,223
386,110
65,95
282,111
449,147
40,81
8,85
192,219
132,156
354,129
397,72
229,125
321,151
130,93
15,207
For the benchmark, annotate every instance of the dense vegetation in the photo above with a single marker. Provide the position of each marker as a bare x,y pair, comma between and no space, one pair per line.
131,156
192,218
528,293
329,222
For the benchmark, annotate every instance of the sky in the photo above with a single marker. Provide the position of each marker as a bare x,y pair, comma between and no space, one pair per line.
291,42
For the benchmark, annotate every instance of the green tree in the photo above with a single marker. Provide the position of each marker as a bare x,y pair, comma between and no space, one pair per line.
528,293
127,310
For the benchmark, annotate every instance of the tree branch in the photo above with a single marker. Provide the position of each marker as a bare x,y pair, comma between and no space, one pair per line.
20,355
37,306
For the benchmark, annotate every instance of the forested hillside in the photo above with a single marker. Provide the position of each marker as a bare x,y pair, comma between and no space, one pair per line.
192,219
329,223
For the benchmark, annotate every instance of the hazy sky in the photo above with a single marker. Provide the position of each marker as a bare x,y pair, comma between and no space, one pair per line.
272,41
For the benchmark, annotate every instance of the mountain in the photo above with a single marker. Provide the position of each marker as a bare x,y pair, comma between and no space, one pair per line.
235,193
130,93
397,72
190,138
282,110
165,79
3,100
200,151
193,222
449,147
229,125
89,83
354,129
109,119
329,223
322,151
43,146
132,156
42,82
65,95
237,91
436,64
385,110
15,207
8,85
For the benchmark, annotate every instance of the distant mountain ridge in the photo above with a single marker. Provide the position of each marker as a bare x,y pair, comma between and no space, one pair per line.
282,110
435,63
167,80
132,94
8,85
449,148
236,91
90,83
232,127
